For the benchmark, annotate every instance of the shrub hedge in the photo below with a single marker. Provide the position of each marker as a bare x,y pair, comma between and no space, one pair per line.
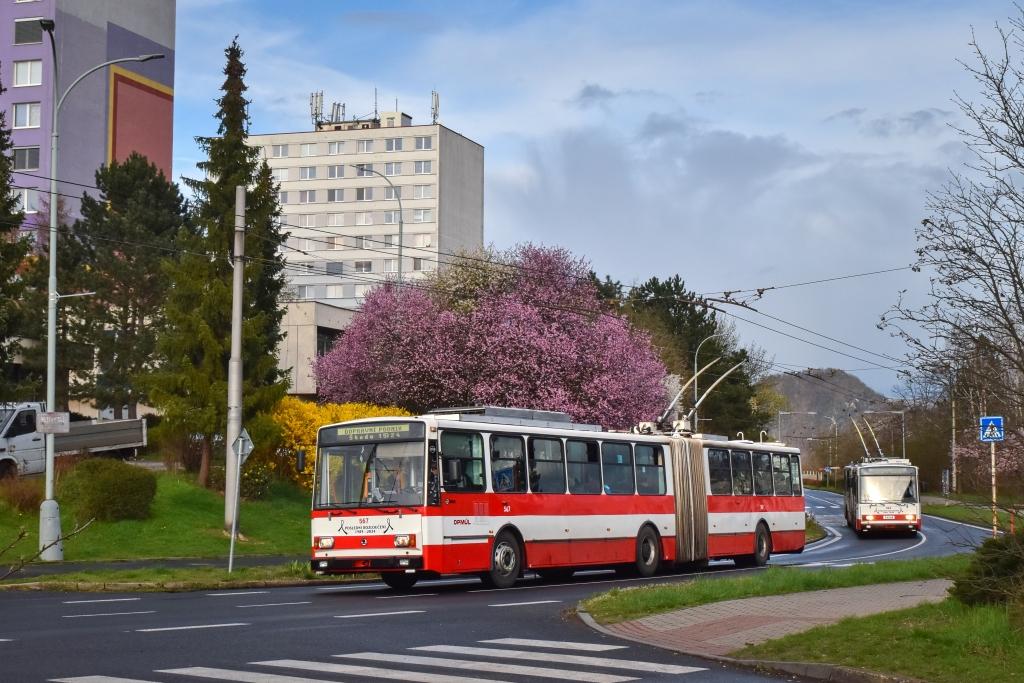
109,490
996,572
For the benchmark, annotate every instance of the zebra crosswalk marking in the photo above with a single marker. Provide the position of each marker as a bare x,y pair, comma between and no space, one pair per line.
496,667
583,660
239,676
387,673
555,644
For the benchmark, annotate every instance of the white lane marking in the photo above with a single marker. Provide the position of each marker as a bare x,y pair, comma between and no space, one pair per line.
893,552
98,679
953,521
107,614
378,614
497,667
555,644
413,595
373,672
231,593
521,604
819,507
231,675
187,628
277,604
836,536
606,662
6,640
82,602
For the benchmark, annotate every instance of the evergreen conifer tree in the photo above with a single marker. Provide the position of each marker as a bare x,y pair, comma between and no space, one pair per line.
191,384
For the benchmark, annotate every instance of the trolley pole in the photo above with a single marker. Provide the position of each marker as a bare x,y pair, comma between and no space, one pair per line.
232,463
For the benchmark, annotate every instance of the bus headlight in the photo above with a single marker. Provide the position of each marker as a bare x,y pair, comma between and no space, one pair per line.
911,517
405,541
325,542
869,518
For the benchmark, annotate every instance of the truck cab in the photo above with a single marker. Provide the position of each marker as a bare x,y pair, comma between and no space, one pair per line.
22,448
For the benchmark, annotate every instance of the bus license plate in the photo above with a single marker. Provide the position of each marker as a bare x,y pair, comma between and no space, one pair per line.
888,516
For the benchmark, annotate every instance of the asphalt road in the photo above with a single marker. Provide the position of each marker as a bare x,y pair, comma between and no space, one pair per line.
445,631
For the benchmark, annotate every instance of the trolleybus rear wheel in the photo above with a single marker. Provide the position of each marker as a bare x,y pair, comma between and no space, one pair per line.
648,553
400,581
762,549
506,561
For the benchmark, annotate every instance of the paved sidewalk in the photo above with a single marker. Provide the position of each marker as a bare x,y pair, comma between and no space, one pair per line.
722,627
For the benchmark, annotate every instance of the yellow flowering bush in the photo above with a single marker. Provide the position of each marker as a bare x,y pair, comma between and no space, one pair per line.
298,422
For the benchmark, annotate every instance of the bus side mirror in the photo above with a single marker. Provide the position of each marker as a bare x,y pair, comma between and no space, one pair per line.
300,461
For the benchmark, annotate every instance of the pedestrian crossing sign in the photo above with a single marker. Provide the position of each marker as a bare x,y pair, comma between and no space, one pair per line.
990,429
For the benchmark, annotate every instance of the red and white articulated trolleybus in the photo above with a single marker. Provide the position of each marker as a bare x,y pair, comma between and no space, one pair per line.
881,494
497,491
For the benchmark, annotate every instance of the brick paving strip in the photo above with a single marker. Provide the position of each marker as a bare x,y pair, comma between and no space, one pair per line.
718,628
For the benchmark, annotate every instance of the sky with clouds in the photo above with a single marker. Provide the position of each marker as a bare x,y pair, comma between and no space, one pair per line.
738,144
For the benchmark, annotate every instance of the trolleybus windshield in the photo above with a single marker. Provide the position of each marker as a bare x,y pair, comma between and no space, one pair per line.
372,466
889,485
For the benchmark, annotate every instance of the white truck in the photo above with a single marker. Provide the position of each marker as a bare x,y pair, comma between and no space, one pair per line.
23,449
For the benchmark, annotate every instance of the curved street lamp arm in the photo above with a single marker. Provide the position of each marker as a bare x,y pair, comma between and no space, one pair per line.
139,58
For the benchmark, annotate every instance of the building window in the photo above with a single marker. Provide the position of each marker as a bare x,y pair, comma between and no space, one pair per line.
393,145
392,192
336,171
334,267
279,174
423,192
335,220
366,242
423,216
417,264
363,266
278,151
364,194
361,291
308,149
307,220
307,173
425,142
423,240
307,196
27,31
365,146
424,167
391,122
28,73
333,292
282,197
393,168
29,200
364,170
391,265
335,242
390,217
335,195
364,218
390,240
335,147
26,115
26,159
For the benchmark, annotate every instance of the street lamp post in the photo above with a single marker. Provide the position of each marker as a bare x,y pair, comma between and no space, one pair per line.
696,395
787,412
49,512
903,425
398,195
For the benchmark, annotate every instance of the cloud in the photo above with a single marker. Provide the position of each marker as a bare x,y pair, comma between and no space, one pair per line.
852,114
591,95
918,122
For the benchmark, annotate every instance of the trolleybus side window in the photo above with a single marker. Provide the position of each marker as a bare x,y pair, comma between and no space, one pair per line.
794,467
719,472
508,464
783,478
547,468
462,461
742,477
762,474
584,466
617,465
650,469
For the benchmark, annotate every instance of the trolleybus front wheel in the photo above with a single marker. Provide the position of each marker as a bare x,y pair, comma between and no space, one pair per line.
648,552
506,561
400,581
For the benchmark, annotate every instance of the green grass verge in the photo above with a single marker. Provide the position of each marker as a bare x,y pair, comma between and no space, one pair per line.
186,521
978,514
622,604
946,642
813,531
178,578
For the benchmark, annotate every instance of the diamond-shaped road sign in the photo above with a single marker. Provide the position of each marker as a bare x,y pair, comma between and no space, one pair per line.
990,428
242,446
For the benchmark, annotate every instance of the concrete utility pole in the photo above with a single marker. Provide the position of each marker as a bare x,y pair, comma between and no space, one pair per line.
231,462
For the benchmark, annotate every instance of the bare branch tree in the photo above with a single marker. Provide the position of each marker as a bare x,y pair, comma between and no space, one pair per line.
22,561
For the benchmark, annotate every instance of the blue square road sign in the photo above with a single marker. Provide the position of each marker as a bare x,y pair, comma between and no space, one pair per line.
990,428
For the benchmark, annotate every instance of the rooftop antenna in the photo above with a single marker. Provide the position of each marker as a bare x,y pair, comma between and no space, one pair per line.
870,429
375,114
336,112
867,454
316,108
435,106
396,104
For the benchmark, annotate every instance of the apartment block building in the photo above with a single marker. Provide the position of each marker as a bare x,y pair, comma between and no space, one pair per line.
111,113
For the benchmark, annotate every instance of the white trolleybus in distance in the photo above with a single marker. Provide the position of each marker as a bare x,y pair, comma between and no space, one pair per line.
881,494
497,491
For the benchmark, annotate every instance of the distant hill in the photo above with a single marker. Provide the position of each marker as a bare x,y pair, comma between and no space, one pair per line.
826,391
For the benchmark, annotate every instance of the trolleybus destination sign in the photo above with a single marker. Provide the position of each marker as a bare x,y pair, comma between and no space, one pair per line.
403,431
990,429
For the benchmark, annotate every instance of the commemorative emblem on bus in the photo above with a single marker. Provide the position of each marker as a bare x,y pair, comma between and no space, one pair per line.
366,527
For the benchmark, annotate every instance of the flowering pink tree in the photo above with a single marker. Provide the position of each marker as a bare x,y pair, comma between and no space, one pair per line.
536,337
975,460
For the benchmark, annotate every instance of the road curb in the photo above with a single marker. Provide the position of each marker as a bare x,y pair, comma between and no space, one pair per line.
821,672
